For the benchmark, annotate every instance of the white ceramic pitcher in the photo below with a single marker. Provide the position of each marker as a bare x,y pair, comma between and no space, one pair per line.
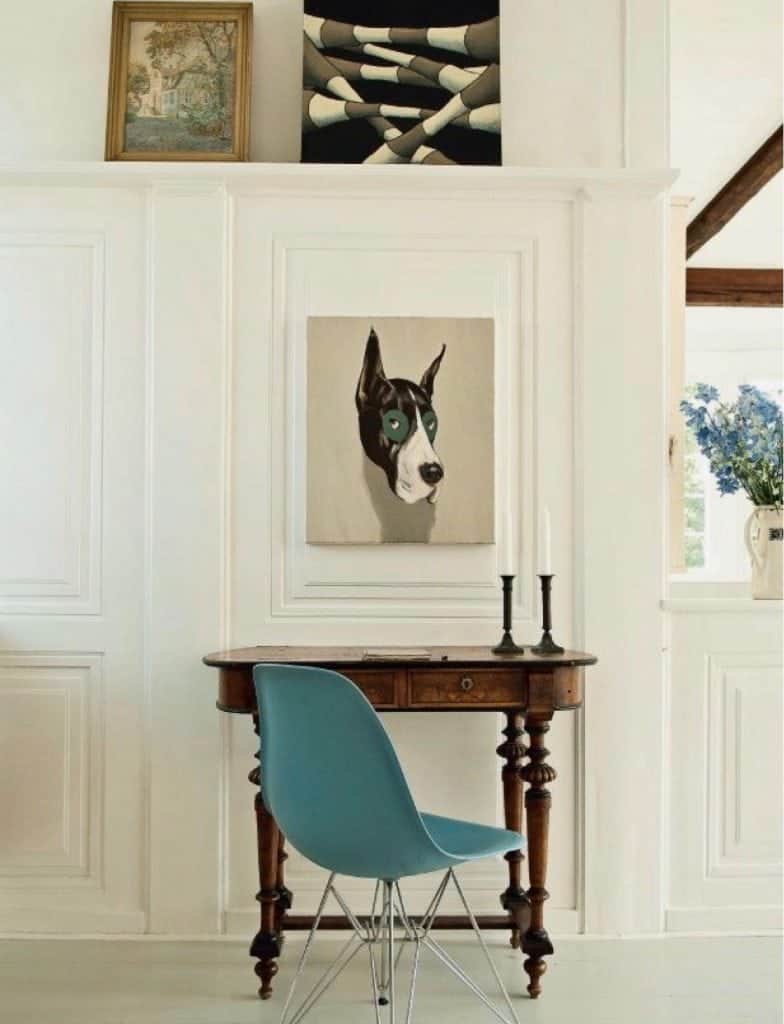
765,543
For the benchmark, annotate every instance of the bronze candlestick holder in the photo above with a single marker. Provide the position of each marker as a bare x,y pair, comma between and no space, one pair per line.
546,645
507,644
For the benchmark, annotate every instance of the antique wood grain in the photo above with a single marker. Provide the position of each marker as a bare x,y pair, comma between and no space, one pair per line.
268,941
537,773
235,690
379,686
514,899
733,286
449,679
742,186
568,692
285,896
335,657
491,687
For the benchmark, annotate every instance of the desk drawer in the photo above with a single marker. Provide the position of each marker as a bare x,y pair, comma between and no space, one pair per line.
380,686
484,686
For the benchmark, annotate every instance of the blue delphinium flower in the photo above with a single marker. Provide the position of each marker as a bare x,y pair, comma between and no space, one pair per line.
706,393
742,441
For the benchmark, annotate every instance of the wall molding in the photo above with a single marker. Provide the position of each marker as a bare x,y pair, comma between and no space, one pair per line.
79,270
74,680
77,590
730,851
298,591
724,723
271,180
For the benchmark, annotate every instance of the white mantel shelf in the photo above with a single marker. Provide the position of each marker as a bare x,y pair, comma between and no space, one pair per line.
714,605
409,181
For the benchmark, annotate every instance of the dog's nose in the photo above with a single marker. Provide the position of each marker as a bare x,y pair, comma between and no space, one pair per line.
431,473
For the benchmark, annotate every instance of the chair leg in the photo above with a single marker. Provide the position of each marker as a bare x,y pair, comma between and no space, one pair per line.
306,948
374,983
381,938
458,971
391,949
380,931
338,965
485,950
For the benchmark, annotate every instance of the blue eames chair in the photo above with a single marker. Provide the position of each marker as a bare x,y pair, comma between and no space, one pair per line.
332,780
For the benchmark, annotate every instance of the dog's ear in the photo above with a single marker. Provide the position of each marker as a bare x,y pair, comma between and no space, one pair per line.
429,376
372,380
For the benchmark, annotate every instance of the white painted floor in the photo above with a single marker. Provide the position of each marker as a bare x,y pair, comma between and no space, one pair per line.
659,981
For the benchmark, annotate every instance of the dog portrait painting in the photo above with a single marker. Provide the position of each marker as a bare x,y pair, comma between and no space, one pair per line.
400,430
398,425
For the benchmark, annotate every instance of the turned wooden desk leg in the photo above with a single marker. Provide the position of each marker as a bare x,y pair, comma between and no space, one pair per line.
537,773
285,896
267,944
514,898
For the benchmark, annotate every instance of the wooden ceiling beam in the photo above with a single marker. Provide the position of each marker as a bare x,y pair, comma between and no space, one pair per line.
756,172
733,286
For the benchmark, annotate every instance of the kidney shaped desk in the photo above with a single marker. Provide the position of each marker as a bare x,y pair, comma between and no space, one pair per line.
527,689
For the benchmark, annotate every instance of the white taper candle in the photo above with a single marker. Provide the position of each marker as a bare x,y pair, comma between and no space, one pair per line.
545,544
507,551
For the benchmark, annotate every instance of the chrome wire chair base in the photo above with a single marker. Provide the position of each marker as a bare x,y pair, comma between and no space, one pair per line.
377,933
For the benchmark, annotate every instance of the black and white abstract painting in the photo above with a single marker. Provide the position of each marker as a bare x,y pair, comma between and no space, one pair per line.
400,430
401,82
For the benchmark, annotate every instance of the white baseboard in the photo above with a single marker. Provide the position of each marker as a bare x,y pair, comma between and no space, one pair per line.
20,921
724,920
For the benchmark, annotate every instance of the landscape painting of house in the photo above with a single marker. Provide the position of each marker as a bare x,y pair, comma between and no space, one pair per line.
179,82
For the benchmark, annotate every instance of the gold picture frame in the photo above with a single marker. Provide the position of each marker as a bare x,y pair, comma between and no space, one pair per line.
179,81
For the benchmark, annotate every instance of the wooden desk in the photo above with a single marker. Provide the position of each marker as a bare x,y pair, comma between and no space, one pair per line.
527,689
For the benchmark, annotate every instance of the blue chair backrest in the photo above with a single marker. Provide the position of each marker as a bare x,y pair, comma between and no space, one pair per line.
331,778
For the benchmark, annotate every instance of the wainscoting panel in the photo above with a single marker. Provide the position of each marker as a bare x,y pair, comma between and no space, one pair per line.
403,257
411,275
416,255
50,714
72,796
725,769
744,736
52,287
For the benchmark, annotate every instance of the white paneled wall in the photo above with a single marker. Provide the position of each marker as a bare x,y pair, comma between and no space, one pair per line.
152,338
153,327
725,766
73,845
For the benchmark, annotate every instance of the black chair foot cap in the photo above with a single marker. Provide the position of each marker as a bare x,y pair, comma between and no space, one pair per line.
383,1001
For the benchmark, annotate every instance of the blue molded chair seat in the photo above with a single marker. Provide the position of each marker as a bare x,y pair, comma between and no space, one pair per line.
465,840
332,780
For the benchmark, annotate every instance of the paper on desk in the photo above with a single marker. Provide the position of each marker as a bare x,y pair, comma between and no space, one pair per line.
396,654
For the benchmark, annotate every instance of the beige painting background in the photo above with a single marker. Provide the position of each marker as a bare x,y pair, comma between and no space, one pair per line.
349,500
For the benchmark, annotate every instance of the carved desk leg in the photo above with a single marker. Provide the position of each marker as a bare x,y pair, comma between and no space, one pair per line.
514,899
537,773
267,944
285,896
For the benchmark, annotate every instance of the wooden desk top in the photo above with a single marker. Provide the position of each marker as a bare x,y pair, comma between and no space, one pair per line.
459,657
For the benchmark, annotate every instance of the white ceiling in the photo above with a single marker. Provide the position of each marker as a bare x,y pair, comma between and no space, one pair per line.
726,99
753,238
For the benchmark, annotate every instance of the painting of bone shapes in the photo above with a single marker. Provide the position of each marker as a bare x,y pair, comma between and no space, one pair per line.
402,82
400,430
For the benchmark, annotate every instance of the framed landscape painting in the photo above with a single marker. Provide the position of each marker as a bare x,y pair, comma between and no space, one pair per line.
179,81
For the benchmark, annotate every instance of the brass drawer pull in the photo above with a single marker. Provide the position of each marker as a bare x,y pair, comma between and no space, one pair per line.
466,684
